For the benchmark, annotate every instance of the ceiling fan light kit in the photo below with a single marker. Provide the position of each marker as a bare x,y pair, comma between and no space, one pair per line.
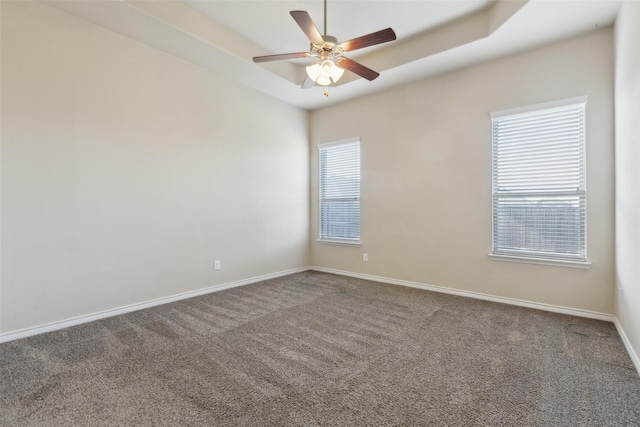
324,73
331,64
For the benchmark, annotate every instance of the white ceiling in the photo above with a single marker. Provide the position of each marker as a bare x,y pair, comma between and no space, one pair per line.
434,36
276,31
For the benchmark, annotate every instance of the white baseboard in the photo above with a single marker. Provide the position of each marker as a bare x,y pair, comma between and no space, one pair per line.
476,295
23,333
625,339
53,326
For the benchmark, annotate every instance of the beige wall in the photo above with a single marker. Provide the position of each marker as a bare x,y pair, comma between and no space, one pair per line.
127,171
627,200
426,176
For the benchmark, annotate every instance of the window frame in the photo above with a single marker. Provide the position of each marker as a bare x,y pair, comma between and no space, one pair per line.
332,239
529,255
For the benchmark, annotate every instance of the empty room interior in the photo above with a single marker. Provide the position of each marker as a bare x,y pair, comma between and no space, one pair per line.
196,232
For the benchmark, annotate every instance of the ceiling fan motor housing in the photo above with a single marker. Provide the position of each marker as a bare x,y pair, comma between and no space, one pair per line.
328,49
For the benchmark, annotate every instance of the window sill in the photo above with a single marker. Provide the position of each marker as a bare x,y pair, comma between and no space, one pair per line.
542,261
355,243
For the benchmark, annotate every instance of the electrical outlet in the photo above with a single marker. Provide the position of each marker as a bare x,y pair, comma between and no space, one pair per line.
365,257
216,264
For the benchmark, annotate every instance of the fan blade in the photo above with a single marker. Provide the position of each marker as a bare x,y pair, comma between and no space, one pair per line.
308,83
356,68
278,57
304,21
372,39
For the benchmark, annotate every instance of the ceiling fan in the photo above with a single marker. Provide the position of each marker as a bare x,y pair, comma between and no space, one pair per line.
331,64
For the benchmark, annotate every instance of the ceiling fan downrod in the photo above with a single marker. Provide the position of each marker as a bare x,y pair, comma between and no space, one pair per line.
325,18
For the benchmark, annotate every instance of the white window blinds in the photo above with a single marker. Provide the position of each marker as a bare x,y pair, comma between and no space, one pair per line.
340,191
539,188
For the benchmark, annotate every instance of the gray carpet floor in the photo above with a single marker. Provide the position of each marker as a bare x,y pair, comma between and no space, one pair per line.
319,349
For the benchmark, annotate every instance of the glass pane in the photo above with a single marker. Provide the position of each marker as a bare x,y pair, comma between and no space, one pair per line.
340,219
340,191
539,183
552,226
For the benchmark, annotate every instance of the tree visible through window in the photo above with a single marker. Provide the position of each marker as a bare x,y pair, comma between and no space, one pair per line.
539,181
340,191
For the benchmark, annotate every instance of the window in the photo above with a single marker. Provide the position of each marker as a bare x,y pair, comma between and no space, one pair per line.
340,192
539,194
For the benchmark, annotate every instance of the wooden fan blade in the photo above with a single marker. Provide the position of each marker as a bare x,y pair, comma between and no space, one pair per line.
356,68
308,83
280,56
303,19
372,39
